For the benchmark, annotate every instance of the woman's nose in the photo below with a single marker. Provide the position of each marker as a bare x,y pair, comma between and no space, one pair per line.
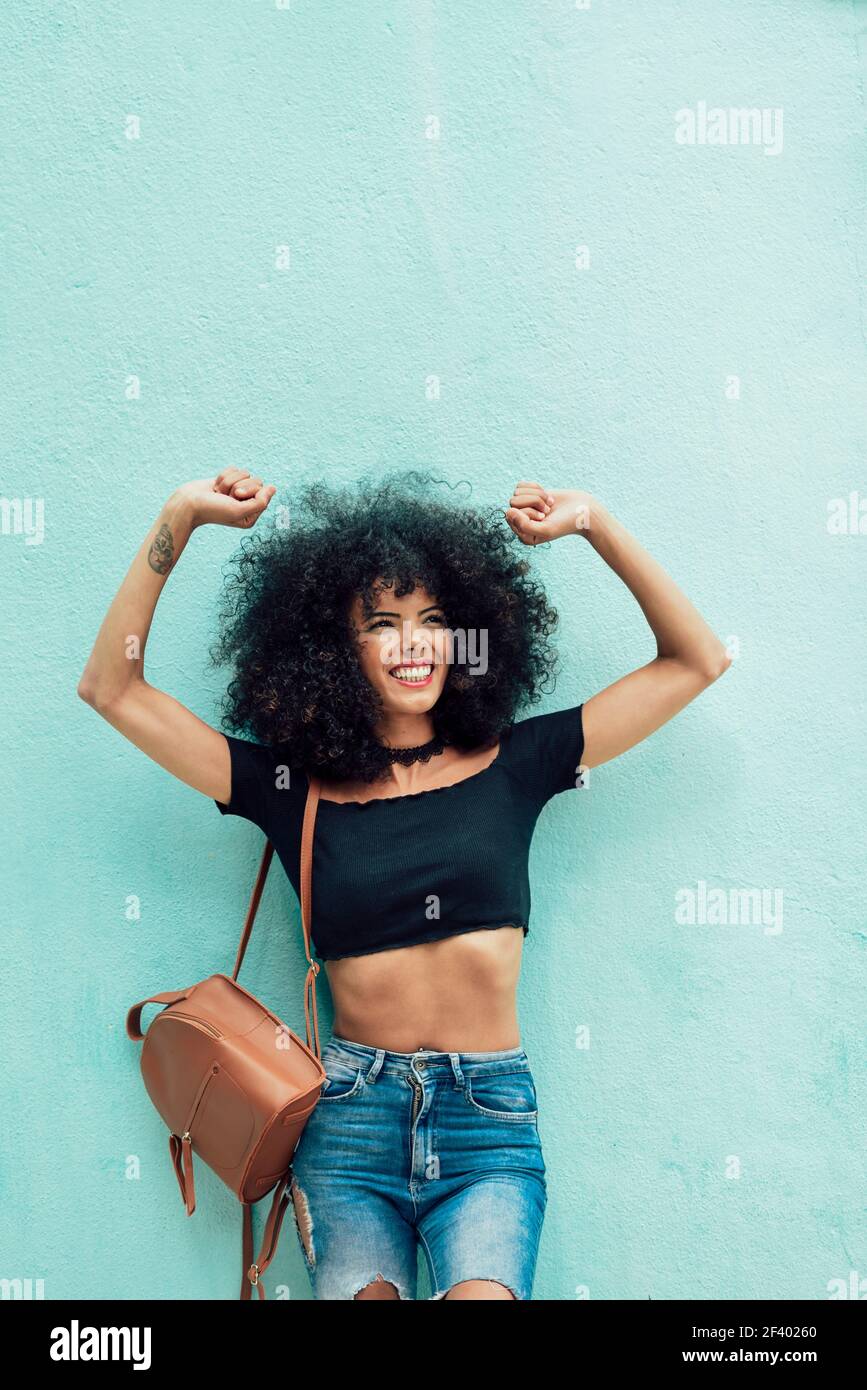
421,645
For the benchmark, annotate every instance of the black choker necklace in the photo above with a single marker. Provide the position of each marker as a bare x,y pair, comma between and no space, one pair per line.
420,754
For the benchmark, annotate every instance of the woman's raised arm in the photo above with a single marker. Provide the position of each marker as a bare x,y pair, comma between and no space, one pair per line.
113,680
689,655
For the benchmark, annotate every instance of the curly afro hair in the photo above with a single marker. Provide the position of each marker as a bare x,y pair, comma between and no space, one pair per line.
285,627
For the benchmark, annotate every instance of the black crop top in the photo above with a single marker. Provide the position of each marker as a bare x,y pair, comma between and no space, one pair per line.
401,870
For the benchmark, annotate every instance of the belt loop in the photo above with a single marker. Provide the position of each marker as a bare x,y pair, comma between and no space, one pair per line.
455,1059
375,1066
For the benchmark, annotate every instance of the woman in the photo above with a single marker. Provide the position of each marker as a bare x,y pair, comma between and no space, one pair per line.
385,640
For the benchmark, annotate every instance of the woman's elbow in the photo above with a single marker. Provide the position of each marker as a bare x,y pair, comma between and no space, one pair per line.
96,696
86,691
715,664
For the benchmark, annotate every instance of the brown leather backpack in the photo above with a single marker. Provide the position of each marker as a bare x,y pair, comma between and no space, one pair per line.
233,1083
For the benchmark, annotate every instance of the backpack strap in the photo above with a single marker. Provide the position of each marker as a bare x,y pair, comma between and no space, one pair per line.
310,808
181,1150
252,1270
133,1018
255,900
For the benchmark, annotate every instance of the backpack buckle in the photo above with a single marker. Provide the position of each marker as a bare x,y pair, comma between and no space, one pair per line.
253,1274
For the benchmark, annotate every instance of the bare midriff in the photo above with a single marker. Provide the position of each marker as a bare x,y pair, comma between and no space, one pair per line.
454,995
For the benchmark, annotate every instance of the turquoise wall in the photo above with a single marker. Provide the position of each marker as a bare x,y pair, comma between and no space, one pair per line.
709,1141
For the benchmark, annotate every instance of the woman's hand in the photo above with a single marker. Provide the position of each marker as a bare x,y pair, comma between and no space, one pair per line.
536,515
113,681
233,498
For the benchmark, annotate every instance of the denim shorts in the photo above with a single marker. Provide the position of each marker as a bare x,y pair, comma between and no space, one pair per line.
440,1149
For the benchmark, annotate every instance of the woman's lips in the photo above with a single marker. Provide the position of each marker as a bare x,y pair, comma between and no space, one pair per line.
414,683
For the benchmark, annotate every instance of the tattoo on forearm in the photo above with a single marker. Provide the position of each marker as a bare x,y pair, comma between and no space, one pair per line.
162,552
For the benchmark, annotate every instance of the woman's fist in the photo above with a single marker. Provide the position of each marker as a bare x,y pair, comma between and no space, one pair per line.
233,498
536,515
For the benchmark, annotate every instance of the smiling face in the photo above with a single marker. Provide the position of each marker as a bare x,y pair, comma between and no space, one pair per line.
403,649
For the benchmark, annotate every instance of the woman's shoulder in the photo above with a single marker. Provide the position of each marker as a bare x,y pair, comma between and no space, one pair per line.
545,750
265,776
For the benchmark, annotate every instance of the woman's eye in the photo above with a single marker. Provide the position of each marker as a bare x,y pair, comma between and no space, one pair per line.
432,618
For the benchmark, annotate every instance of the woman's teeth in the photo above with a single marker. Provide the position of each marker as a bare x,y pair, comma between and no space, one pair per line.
411,675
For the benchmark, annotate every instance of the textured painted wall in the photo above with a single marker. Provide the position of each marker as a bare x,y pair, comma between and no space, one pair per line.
700,367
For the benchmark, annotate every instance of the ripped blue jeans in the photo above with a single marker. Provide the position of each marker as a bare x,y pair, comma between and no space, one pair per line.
440,1149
